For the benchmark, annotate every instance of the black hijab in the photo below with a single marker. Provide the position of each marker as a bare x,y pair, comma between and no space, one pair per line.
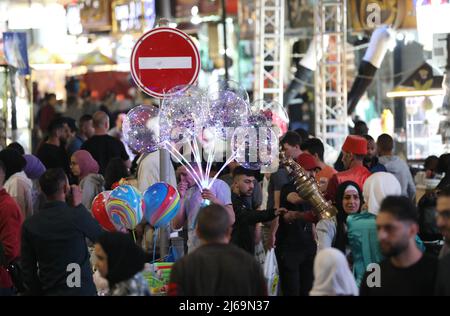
13,161
125,258
341,217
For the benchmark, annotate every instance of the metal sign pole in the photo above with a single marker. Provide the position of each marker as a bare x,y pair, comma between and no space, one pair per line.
164,164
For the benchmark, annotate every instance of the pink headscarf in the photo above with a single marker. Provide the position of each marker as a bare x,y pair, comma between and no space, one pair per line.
86,163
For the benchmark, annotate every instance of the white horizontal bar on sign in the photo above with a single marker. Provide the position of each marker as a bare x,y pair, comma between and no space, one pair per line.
165,62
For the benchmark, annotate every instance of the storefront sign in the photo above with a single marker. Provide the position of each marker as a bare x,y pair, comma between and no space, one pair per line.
134,15
95,15
15,47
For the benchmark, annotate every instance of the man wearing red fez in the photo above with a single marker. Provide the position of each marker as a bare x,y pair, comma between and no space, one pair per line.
354,150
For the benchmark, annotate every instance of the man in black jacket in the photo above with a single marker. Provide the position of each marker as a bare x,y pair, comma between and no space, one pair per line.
246,216
55,257
216,268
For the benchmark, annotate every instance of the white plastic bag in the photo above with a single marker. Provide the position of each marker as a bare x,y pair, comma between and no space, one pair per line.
271,272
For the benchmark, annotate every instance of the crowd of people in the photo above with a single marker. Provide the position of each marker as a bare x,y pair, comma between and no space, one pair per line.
383,241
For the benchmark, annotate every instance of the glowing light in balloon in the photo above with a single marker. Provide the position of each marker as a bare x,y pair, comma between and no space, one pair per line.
183,114
141,129
228,110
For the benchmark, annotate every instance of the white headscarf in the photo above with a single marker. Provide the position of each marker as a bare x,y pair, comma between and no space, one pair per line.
377,187
332,275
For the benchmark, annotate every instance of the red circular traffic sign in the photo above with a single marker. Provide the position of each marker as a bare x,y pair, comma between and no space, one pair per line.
162,59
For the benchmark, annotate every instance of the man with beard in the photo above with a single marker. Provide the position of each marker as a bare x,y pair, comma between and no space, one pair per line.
406,270
443,222
354,150
52,153
246,217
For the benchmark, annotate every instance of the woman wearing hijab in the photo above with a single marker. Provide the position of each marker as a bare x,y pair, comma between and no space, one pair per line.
85,169
332,276
333,232
17,183
34,169
362,229
120,261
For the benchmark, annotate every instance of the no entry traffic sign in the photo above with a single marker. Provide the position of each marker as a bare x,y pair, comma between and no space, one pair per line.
162,59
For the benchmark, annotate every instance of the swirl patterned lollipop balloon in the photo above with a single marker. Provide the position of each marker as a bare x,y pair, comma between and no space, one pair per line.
125,206
98,210
162,203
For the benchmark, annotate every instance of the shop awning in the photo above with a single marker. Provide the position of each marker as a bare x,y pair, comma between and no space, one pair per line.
41,55
95,59
422,82
42,59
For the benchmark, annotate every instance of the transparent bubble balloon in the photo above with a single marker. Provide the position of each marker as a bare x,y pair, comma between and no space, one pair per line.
183,114
216,88
259,120
141,129
275,112
229,110
255,147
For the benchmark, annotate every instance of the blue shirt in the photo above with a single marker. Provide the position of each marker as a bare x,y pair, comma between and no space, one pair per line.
75,145
378,168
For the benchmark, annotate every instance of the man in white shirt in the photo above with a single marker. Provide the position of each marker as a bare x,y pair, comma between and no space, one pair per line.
148,171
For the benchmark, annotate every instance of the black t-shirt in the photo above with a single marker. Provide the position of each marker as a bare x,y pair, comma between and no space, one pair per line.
53,156
416,280
297,235
217,270
443,277
103,148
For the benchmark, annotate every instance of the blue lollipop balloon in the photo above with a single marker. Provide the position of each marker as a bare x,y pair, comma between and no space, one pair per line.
162,203
124,207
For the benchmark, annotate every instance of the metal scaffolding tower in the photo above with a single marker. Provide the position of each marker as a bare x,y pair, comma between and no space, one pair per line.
269,41
330,18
